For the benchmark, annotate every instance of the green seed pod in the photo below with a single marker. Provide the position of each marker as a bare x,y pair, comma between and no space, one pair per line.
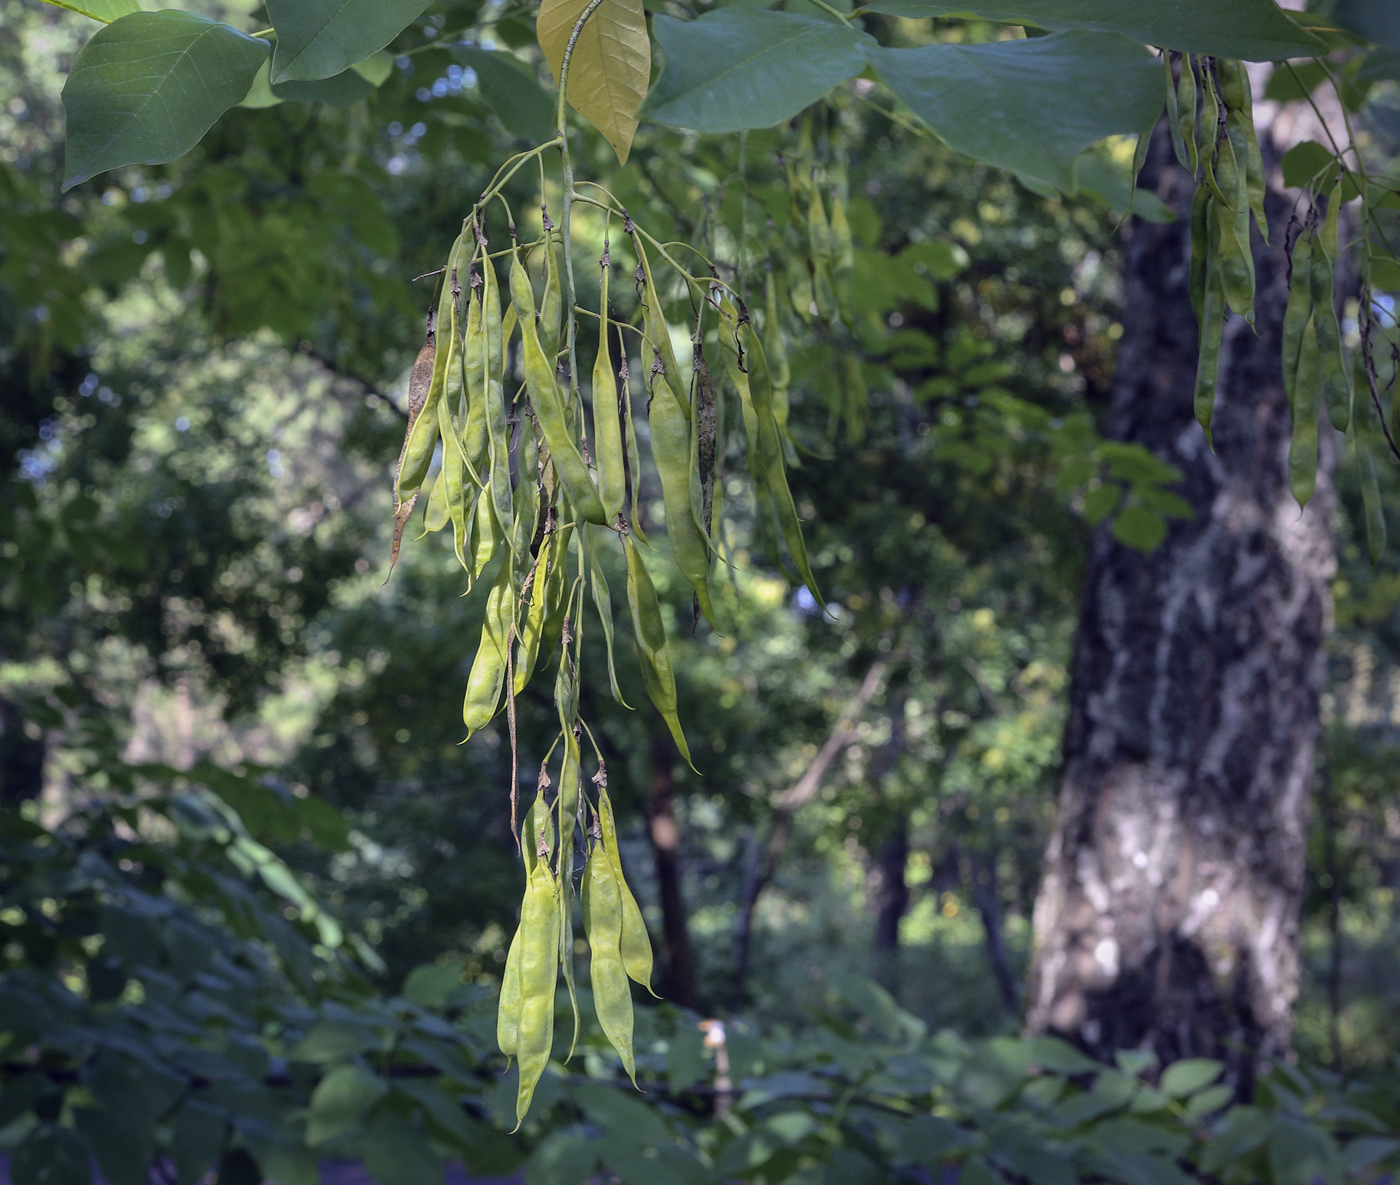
1302,448
548,401
1373,511
495,333
476,442
671,450
489,668
635,944
779,370
552,302
602,920
843,261
1295,317
508,1010
1186,114
654,323
819,244
1208,133
649,629
539,970
1174,112
1331,365
602,601
1236,255
1200,250
1212,329
607,420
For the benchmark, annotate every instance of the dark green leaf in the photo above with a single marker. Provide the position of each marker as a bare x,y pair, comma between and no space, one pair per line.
320,38
740,68
197,1141
566,1158
1371,19
431,984
342,90
51,1156
1140,528
339,1101
1255,30
511,91
1186,1077
396,1153
1304,163
1030,106
148,86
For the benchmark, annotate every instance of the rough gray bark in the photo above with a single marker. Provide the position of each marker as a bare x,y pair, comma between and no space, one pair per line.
1168,914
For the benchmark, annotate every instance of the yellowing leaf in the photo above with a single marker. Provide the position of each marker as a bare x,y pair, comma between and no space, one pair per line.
610,65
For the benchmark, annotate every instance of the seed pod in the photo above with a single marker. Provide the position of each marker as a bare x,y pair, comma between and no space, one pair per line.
498,432
1234,83
654,323
489,668
552,302
1295,317
1186,114
602,601
607,422
671,450
819,243
1208,133
635,944
1212,327
1237,264
843,261
602,920
532,628
634,455
779,371
526,506
1174,111
653,653
1302,448
704,444
476,442
855,397
570,782
1200,250
1239,100
453,475
548,401
539,970
1373,511
1331,365
508,1010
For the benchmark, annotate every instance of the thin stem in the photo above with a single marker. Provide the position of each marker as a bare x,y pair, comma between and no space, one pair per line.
836,12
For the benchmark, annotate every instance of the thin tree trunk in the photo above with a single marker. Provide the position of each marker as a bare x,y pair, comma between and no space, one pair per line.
986,896
679,979
891,901
1168,914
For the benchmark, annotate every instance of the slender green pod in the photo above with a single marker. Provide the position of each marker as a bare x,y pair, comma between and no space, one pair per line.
476,442
1298,310
1174,112
497,430
543,384
570,785
843,261
602,921
649,630
607,418
671,450
1209,131
539,972
1373,511
1331,365
436,516
1236,262
634,453
654,324
1200,250
1186,114
1239,100
508,1010
819,244
451,415
1212,333
635,943
704,443
489,667
779,370
552,301
1302,447
532,629
602,602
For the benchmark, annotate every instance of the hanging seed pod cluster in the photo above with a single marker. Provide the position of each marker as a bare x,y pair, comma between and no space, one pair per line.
540,473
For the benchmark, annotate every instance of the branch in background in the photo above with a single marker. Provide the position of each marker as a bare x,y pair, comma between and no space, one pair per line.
761,867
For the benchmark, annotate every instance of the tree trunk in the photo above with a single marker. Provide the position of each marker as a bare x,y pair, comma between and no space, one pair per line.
1168,914
678,981
986,896
891,900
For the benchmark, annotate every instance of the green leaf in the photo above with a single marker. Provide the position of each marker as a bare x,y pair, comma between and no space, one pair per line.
197,1141
566,1158
1301,1153
1100,502
1190,1075
1140,528
342,90
320,38
396,1153
100,10
1255,30
1029,106
740,68
148,86
1367,18
51,1156
429,986
1096,175
1305,163
339,1102
509,88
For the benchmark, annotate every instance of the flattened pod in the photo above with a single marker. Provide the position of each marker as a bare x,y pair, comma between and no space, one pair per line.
508,1010
607,422
1212,331
602,921
1186,113
476,442
570,779
489,668
657,331
843,261
602,601
549,404
1302,448
820,245
552,302
497,430
1295,316
779,371
436,516
1209,131
1200,250
635,943
1331,366
649,629
1373,511
539,972
670,448
1174,111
